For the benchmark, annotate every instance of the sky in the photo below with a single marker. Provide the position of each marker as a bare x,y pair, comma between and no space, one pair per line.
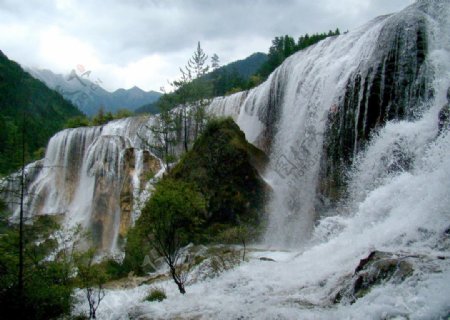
126,43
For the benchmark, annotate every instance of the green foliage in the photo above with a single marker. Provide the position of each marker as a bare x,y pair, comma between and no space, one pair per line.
170,220
78,121
214,187
222,164
101,117
284,46
156,294
164,131
239,234
112,269
235,76
39,153
150,108
123,113
172,215
91,277
47,284
136,249
26,103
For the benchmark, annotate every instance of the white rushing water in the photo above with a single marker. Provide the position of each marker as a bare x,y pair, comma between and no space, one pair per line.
399,196
83,174
288,115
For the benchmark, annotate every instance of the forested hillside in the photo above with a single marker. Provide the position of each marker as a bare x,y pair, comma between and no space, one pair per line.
28,106
225,78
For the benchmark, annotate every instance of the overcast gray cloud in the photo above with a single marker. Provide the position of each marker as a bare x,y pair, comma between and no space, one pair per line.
143,42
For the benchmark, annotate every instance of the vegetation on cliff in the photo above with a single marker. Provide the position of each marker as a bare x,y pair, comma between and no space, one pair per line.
215,187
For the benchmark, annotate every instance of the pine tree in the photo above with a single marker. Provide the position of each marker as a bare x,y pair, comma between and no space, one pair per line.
193,93
215,63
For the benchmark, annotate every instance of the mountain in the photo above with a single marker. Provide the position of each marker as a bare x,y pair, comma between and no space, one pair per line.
235,75
245,67
25,100
89,96
224,78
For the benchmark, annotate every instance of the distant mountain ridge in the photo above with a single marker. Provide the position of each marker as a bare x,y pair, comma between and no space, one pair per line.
88,95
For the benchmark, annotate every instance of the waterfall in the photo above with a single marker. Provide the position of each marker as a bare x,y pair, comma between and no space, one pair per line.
316,112
94,177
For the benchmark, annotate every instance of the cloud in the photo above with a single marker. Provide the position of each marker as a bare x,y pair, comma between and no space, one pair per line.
143,42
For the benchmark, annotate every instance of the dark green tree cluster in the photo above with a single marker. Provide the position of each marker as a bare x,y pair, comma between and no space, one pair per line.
26,103
52,269
47,285
284,46
223,166
99,119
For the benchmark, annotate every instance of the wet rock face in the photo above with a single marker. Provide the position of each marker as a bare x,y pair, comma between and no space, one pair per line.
444,115
114,198
376,268
391,86
151,166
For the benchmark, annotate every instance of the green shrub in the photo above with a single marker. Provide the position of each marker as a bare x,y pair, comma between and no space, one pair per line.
77,121
113,269
156,294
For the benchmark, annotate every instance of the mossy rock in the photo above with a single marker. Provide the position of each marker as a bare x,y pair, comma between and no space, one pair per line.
225,168
378,267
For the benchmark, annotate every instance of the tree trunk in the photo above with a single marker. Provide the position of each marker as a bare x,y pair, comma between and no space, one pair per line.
21,214
175,278
186,132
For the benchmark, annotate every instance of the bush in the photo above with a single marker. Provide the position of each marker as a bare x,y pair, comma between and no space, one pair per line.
113,269
77,121
123,113
156,294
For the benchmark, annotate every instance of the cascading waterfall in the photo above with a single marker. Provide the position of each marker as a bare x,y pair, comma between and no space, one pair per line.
334,94
94,178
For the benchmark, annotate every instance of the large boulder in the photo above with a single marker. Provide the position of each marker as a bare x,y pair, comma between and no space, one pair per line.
378,267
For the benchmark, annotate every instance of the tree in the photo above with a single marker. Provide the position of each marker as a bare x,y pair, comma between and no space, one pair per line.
77,121
193,92
170,218
241,233
284,46
47,285
215,63
201,89
197,63
163,132
123,113
101,117
91,277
